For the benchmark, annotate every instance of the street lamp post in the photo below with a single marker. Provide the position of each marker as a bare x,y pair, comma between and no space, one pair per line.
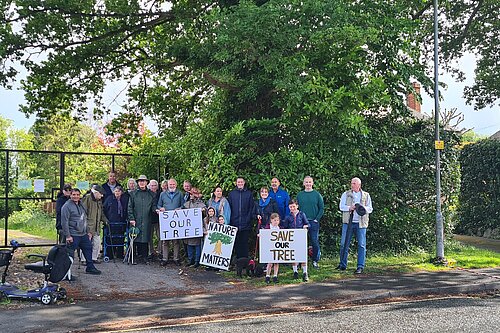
438,146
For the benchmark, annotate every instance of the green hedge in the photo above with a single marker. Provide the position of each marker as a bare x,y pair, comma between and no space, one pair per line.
395,160
479,210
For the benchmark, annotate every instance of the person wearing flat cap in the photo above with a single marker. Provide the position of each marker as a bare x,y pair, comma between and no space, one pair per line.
141,210
92,202
356,206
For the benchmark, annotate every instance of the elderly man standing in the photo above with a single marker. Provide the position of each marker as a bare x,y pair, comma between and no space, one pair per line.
170,200
356,205
76,231
92,202
311,203
141,210
154,187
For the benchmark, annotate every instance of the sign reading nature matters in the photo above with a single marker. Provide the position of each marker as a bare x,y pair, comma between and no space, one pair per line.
218,246
283,246
181,223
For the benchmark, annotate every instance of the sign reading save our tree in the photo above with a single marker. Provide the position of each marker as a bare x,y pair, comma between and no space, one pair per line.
283,246
218,246
181,223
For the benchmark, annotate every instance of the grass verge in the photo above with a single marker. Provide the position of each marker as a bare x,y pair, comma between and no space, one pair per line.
458,254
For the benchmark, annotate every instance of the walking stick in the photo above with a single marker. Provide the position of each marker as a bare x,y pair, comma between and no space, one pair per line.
132,235
257,239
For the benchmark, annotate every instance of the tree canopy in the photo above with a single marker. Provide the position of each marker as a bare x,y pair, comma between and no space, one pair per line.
265,57
254,88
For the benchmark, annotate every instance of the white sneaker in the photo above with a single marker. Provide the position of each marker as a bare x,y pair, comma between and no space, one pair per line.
315,265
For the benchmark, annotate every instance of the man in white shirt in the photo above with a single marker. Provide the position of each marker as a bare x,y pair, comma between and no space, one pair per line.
356,205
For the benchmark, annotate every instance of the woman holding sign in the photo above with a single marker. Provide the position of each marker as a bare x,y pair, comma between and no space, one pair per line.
297,220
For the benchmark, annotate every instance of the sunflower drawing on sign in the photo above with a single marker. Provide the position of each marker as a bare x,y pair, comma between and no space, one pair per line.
218,239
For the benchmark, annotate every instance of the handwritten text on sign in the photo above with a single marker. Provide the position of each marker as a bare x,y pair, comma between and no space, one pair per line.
218,245
181,223
283,246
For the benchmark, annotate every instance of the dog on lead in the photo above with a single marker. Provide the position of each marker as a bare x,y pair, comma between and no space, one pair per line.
250,266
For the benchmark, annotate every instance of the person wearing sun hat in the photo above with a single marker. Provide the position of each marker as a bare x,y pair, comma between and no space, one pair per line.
141,210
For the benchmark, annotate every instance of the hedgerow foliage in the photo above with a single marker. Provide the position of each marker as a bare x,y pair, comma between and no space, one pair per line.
394,158
479,210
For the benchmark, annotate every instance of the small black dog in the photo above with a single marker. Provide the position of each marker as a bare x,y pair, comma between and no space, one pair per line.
246,264
251,267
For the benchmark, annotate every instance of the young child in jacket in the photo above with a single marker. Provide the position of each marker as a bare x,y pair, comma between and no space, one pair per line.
297,220
210,218
274,224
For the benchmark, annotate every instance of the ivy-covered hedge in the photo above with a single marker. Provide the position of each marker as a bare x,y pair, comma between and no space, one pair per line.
394,158
479,210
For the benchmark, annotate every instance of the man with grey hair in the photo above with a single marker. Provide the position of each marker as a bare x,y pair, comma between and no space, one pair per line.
355,205
154,187
169,200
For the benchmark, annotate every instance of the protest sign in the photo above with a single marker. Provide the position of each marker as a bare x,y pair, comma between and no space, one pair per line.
218,246
283,245
180,224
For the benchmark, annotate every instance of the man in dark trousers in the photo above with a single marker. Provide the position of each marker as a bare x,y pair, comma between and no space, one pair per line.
76,230
242,212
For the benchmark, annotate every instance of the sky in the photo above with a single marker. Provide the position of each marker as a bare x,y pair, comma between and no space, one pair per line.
483,122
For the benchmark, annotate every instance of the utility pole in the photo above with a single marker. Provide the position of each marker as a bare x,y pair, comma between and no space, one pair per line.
438,145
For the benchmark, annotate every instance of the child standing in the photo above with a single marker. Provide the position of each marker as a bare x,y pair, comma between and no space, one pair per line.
273,225
297,220
210,218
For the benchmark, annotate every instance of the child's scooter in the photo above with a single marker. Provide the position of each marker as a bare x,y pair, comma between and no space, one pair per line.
53,266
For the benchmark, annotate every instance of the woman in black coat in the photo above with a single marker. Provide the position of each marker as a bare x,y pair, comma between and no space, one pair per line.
265,206
115,209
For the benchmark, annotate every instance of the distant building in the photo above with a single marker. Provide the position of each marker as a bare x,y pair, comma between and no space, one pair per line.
495,136
413,103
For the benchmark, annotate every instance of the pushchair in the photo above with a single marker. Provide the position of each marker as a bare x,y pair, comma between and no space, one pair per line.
114,237
55,267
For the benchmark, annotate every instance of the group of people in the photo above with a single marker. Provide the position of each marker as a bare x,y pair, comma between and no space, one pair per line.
80,220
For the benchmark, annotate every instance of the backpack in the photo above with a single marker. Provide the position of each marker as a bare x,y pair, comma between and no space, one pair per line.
59,261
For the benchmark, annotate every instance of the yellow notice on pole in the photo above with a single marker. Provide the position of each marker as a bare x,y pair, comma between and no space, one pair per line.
439,145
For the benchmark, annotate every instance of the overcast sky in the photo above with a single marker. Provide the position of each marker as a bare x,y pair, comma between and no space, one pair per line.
486,121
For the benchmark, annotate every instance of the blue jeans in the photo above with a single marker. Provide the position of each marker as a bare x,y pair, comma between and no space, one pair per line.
346,241
84,244
314,237
194,253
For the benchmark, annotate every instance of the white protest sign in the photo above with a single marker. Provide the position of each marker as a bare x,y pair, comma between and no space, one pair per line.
283,245
180,224
218,246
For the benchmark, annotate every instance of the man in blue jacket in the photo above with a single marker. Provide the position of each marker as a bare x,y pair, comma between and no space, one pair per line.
281,197
242,212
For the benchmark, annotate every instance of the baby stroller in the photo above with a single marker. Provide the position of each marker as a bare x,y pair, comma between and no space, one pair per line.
114,237
55,267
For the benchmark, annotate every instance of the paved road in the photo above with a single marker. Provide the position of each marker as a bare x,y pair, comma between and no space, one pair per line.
442,315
